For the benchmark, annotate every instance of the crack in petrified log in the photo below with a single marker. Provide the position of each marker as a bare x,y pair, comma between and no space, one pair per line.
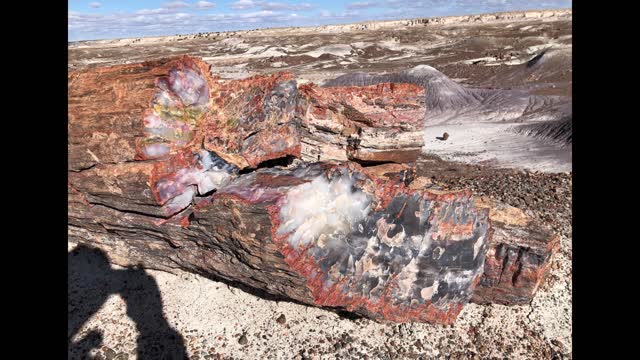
163,159
175,181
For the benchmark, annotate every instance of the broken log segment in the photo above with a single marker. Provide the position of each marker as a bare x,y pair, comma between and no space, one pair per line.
154,110
377,123
520,250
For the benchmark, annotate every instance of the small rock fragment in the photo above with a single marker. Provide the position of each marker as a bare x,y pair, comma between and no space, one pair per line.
109,353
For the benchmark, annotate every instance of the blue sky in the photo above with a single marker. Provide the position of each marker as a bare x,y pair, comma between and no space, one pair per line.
136,18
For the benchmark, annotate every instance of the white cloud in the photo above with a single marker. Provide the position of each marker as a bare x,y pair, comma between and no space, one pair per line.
257,14
155,11
205,5
282,6
269,5
175,5
95,5
243,4
363,5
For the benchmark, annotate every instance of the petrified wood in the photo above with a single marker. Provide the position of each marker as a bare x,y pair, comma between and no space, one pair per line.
518,257
323,234
154,110
519,252
171,168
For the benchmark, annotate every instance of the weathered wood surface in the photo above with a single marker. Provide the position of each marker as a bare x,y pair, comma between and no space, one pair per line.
518,257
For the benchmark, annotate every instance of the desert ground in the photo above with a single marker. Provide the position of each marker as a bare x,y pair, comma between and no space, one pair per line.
521,163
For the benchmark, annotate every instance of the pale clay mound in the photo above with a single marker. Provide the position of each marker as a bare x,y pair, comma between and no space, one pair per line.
497,145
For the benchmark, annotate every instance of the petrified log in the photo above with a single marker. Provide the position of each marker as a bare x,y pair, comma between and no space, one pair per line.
162,173
156,109
322,234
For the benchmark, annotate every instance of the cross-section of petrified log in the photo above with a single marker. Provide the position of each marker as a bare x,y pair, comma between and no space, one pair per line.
377,123
519,252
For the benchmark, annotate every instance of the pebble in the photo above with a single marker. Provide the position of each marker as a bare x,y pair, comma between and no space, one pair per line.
243,340
109,354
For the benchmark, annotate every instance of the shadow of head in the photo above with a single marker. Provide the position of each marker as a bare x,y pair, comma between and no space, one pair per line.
91,280
87,258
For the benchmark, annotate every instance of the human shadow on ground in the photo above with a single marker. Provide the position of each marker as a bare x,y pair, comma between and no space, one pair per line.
91,280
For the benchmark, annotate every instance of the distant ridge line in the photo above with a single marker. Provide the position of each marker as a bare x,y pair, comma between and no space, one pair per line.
483,18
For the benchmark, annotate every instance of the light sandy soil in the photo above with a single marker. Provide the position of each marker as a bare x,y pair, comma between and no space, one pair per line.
494,144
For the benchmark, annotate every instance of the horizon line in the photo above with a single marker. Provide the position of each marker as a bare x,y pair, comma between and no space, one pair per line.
311,26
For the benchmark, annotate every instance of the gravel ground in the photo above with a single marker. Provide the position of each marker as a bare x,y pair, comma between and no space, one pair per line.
542,195
216,321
